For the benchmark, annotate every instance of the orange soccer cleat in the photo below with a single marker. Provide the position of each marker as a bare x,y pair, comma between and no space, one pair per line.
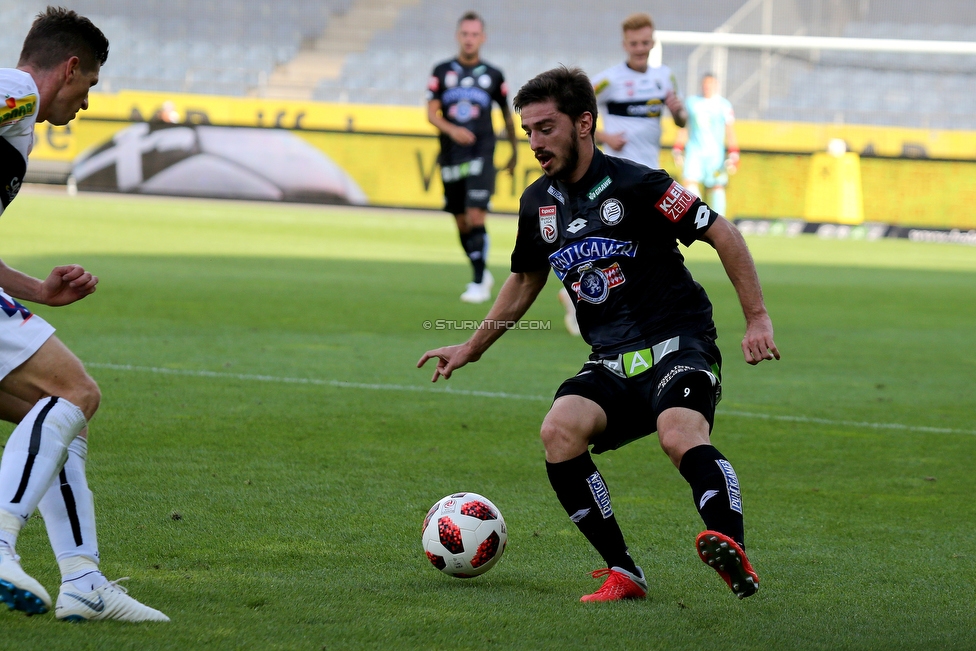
620,584
729,560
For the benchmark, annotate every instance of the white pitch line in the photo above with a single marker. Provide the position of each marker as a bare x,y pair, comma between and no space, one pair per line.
849,423
325,383
499,394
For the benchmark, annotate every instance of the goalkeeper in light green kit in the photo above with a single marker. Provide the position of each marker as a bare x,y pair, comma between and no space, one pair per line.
707,150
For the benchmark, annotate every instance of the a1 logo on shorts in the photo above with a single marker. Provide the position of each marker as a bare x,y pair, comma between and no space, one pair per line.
547,223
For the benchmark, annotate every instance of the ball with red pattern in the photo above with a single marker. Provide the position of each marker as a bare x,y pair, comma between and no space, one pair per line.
464,535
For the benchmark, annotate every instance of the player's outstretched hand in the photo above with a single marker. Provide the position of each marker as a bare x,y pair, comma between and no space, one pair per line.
67,284
462,136
449,359
758,343
510,167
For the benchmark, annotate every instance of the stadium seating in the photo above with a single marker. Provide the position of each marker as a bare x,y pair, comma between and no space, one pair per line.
880,88
224,47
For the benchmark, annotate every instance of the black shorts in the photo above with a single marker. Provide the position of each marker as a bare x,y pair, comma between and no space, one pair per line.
686,378
470,190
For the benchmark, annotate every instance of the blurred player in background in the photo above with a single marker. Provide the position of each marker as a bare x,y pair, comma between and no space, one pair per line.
43,387
460,96
631,96
707,151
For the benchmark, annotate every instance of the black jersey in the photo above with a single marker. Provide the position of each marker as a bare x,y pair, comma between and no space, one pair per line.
466,94
612,239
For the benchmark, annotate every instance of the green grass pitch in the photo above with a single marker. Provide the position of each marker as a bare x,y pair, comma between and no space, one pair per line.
262,504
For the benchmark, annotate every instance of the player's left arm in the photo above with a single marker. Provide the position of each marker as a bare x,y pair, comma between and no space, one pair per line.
677,108
63,286
512,137
725,238
500,97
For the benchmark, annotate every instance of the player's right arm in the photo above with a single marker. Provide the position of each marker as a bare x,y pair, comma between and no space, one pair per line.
64,285
458,134
513,301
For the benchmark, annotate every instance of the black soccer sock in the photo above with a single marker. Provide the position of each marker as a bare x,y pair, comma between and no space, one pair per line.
464,240
716,490
476,248
582,492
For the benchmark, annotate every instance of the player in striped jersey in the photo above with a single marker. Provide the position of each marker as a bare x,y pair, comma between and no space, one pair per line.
44,388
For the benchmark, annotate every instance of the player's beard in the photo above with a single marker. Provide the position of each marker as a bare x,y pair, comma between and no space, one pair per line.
566,170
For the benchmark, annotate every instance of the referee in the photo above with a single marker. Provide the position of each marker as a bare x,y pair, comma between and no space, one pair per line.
460,94
608,228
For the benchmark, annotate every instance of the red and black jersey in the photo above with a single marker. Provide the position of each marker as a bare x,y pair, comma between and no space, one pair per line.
612,239
466,94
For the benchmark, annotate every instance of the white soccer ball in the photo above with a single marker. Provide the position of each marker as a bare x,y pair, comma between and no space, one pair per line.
464,535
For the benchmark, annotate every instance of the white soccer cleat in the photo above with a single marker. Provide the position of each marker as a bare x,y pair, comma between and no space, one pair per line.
479,292
18,590
108,601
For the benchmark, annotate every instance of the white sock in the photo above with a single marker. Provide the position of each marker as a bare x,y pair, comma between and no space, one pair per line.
85,580
35,453
69,515
718,200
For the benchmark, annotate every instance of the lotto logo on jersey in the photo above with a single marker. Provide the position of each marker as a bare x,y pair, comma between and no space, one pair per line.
675,202
547,223
16,109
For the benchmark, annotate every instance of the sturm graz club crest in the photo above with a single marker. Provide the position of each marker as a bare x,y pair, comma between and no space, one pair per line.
593,286
611,212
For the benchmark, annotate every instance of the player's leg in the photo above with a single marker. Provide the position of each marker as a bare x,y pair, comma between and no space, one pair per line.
68,507
478,241
717,199
693,174
567,430
715,180
478,190
60,398
687,411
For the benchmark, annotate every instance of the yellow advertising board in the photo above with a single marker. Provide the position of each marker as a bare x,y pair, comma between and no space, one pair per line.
391,153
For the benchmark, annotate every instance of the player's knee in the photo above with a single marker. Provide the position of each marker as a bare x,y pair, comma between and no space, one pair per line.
84,394
561,441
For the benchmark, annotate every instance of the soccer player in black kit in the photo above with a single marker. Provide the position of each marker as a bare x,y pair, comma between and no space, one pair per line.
609,229
459,98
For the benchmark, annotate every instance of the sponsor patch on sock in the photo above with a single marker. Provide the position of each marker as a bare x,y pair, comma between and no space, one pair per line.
732,483
600,494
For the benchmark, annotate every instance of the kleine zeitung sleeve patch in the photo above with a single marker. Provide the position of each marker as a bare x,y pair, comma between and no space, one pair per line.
675,202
